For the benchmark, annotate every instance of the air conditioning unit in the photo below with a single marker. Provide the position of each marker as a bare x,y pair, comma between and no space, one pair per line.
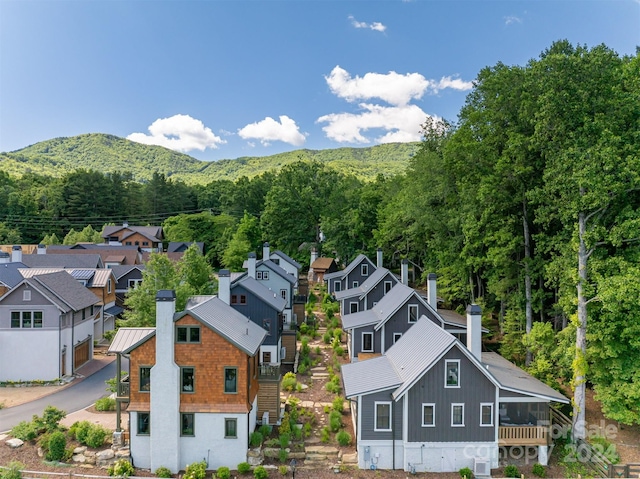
481,468
283,352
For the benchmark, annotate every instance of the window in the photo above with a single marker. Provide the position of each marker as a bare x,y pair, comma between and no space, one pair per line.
133,283
230,380
413,313
353,307
383,416
230,428
26,319
137,243
337,286
84,314
428,415
283,294
26,295
145,379
266,324
238,299
144,423
276,261
109,286
367,342
188,334
145,243
387,286
355,284
187,380
187,424
37,319
127,243
364,270
452,373
263,275
486,414
266,356
457,415
396,336
15,319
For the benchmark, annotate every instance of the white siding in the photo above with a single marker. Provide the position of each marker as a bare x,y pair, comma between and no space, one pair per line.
27,355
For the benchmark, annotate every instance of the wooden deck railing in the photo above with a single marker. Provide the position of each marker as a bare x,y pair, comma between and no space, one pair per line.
523,435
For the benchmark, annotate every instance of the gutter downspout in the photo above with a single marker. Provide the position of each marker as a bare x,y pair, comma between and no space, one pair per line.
393,437
118,402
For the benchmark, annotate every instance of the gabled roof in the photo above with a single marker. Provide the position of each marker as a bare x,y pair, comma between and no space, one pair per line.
322,263
153,233
122,270
91,260
265,294
65,291
511,377
227,322
95,277
131,254
127,339
182,246
286,258
10,274
350,267
276,269
386,307
368,284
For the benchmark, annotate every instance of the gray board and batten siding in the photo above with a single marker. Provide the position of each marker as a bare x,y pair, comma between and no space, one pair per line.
368,412
257,311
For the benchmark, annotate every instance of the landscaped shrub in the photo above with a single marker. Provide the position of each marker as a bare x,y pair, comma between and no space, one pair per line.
335,421
223,473
343,438
81,431
285,424
511,471
466,472
339,350
96,436
325,434
196,470
338,404
333,386
283,470
121,468
283,455
256,439
289,381
306,429
284,440
301,370
25,430
106,404
13,471
260,473
244,467
265,430
326,337
539,470
163,472
56,446
50,420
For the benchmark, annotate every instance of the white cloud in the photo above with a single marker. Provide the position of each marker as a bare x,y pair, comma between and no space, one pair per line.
511,19
401,123
268,130
449,82
179,132
376,26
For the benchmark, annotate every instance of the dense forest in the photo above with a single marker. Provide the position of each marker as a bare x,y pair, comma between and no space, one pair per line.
528,205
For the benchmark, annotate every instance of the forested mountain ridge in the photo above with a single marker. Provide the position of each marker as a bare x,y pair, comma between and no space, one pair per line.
109,153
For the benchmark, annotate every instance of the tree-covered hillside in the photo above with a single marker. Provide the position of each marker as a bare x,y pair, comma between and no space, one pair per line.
109,154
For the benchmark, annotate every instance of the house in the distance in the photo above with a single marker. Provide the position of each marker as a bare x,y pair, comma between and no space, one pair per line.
352,276
319,266
430,404
147,238
193,384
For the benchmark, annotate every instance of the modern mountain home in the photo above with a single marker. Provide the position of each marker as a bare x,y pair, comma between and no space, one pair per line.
356,272
147,238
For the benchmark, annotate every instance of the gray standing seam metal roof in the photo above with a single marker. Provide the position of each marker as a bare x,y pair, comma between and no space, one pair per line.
10,274
350,267
62,260
121,270
373,279
267,295
513,378
67,289
376,374
128,338
287,258
388,305
276,269
230,324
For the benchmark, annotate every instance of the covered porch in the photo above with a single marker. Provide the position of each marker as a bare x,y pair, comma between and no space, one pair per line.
524,423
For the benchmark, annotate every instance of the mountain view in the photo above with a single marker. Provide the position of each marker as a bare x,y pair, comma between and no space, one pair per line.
109,153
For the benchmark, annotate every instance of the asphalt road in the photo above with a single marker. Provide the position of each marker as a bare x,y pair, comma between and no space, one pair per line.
70,399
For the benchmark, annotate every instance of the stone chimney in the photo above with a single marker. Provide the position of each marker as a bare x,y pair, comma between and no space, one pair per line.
432,291
265,252
165,389
404,272
314,256
4,257
42,249
16,254
474,330
252,265
224,286
379,258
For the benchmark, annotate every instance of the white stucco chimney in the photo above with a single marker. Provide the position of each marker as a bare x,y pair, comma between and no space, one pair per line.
379,258
252,265
42,249
314,256
4,257
404,272
432,291
16,254
265,252
474,330
224,286
165,389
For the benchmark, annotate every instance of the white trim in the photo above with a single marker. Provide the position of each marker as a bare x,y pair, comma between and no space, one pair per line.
396,336
409,308
433,406
533,398
355,284
351,311
384,286
362,344
364,269
446,362
482,405
375,416
453,406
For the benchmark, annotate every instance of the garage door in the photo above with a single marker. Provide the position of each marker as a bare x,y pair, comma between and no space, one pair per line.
81,353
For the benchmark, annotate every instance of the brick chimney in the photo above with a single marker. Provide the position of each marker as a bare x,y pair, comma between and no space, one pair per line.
224,286
474,330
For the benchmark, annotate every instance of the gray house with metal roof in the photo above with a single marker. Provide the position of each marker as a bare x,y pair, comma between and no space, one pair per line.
368,293
46,328
356,272
430,404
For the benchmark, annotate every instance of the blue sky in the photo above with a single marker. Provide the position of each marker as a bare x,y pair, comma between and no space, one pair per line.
224,79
